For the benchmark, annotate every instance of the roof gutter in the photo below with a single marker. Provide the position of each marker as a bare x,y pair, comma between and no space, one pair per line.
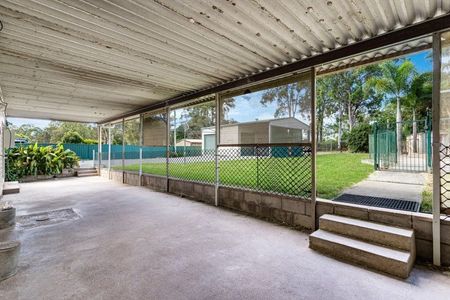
386,39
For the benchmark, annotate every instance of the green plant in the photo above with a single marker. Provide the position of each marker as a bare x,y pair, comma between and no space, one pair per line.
72,137
90,141
358,138
35,160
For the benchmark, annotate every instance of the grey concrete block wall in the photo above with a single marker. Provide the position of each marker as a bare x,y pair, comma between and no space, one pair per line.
297,212
154,182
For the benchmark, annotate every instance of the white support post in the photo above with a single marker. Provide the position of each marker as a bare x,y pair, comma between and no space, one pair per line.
436,206
93,158
99,152
123,150
140,166
109,151
167,146
141,144
216,156
313,148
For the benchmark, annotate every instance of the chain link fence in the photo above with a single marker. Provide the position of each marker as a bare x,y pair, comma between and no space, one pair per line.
279,169
192,164
445,178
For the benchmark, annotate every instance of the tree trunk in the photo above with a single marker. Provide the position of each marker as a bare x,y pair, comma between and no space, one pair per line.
414,132
350,117
339,141
399,129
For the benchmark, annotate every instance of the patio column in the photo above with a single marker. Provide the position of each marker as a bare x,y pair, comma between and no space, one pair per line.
109,151
123,150
167,146
216,156
313,139
99,148
141,144
436,94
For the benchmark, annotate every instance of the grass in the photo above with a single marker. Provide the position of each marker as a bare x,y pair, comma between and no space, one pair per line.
427,196
335,172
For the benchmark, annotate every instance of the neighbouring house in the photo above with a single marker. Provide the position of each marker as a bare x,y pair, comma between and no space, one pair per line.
283,130
189,143
154,131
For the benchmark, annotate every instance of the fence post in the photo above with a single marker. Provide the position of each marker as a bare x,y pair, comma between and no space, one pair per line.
140,166
375,146
93,158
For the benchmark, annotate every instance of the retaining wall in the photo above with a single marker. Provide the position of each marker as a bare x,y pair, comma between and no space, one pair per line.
294,211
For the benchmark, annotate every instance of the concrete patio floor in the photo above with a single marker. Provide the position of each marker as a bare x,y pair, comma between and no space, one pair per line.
133,243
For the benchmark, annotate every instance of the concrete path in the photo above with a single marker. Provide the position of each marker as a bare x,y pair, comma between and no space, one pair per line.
133,243
393,185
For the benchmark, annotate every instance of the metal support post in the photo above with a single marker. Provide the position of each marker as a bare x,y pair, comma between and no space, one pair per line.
141,144
109,151
436,206
313,148
216,154
99,144
123,150
167,146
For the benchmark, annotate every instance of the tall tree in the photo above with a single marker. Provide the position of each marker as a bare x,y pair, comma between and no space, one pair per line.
395,82
419,98
292,99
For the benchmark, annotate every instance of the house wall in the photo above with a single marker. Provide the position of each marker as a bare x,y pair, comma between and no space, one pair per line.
229,134
154,132
254,133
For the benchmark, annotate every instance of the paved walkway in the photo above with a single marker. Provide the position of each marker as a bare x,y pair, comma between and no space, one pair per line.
133,243
394,185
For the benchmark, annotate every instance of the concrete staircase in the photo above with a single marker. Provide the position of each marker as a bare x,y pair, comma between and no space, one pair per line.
84,172
380,247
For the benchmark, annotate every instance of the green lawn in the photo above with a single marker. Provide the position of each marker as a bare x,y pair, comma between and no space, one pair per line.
334,173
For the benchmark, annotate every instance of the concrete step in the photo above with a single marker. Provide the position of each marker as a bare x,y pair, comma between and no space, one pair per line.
86,170
87,174
383,259
11,187
394,237
82,172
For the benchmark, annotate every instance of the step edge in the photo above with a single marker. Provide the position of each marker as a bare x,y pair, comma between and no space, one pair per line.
406,254
405,232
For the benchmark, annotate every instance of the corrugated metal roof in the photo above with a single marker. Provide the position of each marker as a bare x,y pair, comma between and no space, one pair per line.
93,59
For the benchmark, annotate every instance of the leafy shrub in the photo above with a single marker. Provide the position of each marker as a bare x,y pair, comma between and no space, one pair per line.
90,141
72,137
35,160
358,138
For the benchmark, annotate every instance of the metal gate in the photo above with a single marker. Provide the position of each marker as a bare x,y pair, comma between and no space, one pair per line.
411,152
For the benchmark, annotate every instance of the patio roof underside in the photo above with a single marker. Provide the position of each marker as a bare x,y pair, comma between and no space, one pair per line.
95,59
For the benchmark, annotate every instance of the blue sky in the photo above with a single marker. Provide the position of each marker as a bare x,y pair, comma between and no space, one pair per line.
248,107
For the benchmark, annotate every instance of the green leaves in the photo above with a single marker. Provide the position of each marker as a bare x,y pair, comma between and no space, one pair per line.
35,160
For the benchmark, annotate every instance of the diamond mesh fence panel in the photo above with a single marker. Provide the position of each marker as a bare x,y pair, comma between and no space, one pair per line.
445,179
279,169
192,164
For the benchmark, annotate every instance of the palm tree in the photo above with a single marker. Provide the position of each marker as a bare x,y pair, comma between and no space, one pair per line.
418,96
395,82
